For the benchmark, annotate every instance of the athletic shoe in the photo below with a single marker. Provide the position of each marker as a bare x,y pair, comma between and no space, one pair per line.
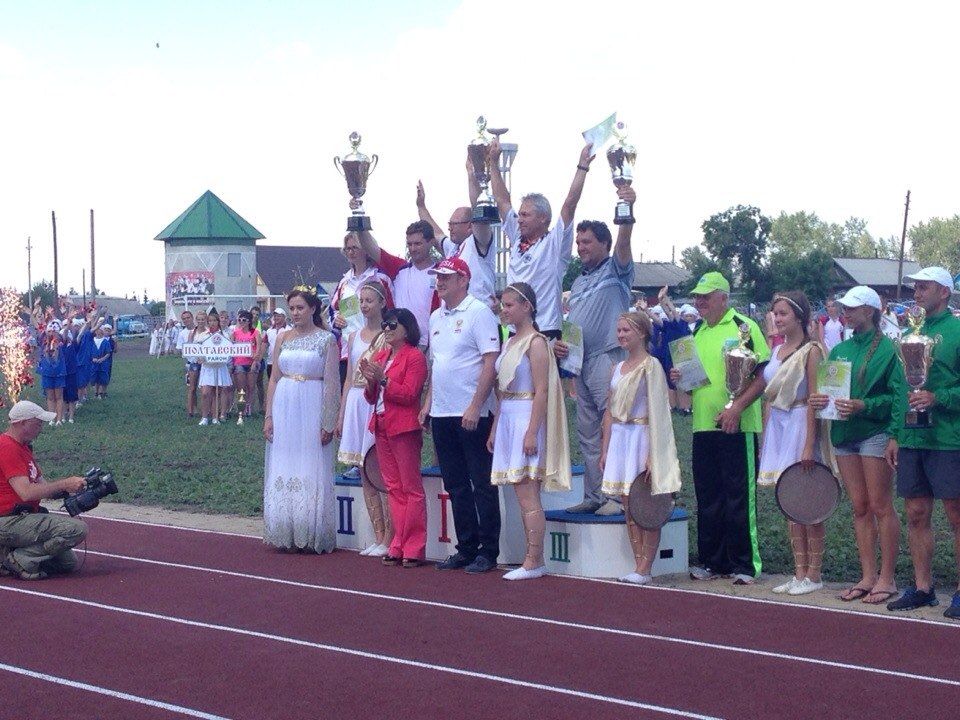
366,550
454,562
610,507
70,420
786,587
953,612
216,422
480,564
205,421
352,473
11,565
913,599
702,573
521,573
378,551
743,579
804,587
636,578
587,506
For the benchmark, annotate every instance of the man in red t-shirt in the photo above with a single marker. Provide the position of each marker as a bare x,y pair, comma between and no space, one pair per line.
33,543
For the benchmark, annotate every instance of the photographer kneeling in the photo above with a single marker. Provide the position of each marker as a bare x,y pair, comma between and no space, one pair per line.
33,543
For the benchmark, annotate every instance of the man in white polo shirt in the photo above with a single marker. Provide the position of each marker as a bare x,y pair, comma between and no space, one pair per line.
538,253
413,285
467,240
464,344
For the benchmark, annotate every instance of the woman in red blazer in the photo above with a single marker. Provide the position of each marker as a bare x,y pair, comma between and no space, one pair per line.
395,378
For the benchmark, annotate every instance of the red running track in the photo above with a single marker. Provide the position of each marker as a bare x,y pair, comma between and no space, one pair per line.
221,626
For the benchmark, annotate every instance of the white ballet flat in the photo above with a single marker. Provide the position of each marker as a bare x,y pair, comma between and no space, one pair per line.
378,551
786,587
636,578
204,421
805,586
521,573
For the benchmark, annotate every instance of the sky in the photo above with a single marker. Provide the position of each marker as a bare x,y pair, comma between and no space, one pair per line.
832,108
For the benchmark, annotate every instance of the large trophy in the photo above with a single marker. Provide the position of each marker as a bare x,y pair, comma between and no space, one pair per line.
622,156
356,168
739,362
916,353
485,211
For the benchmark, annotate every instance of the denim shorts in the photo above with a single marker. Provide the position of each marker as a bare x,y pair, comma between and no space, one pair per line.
191,366
872,446
242,368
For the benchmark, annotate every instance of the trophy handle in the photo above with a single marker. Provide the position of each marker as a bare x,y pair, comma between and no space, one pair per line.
338,166
374,159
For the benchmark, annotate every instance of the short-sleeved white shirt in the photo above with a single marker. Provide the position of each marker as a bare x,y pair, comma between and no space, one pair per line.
483,270
272,334
183,337
542,267
458,340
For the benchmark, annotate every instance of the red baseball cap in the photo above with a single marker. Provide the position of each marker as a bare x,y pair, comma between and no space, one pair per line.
451,266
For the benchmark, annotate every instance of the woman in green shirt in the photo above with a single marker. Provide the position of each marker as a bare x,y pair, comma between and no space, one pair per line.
859,440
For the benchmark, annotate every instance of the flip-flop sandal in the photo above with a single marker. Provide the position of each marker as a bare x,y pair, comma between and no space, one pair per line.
854,593
884,595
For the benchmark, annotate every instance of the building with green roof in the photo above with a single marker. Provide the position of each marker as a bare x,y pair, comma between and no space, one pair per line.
210,258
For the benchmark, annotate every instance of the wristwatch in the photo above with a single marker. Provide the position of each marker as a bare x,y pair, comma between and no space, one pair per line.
383,381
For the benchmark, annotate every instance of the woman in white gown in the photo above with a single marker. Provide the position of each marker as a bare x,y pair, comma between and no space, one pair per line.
301,414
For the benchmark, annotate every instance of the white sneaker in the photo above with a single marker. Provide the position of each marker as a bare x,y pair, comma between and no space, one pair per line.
378,551
215,422
610,507
51,423
70,420
204,421
521,573
805,586
636,578
368,548
786,587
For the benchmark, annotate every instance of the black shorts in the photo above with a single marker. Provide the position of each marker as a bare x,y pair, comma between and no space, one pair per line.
928,473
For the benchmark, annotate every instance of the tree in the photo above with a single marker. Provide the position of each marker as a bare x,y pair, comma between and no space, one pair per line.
574,268
937,242
157,309
798,233
44,291
697,262
737,240
811,273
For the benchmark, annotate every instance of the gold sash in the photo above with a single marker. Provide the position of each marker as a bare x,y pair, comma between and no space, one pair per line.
662,463
372,349
557,452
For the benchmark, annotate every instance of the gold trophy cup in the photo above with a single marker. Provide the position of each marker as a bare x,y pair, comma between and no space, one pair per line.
916,354
356,169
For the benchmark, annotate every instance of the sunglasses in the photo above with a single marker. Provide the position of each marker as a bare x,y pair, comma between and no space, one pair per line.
389,325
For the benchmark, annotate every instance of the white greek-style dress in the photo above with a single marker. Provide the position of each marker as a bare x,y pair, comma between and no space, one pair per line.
785,432
357,438
510,465
155,342
298,493
629,447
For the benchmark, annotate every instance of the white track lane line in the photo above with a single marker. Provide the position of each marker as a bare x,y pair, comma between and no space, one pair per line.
370,656
544,621
645,588
179,709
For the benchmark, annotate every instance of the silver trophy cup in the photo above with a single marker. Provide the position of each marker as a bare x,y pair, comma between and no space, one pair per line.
622,157
356,168
916,354
485,211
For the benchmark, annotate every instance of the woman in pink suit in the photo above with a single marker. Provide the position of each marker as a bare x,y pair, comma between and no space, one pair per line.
395,378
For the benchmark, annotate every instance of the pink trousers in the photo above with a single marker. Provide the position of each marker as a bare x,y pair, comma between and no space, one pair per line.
399,457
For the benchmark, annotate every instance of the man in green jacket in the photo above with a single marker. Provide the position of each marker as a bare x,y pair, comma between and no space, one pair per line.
927,459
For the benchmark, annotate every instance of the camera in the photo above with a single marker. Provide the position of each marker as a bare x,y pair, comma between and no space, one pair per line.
99,484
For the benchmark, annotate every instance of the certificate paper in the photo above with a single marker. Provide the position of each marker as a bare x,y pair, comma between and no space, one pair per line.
598,135
573,337
683,352
833,380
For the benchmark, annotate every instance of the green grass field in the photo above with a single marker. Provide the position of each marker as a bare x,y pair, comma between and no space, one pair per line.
159,457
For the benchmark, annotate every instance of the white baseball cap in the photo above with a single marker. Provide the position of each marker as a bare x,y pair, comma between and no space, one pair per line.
859,296
279,311
939,275
26,410
687,309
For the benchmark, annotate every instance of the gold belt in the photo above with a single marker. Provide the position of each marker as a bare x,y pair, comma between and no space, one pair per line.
517,396
633,421
300,378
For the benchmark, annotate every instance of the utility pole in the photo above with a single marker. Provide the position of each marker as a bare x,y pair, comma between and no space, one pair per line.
93,260
83,287
56,272
903,245
29,276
